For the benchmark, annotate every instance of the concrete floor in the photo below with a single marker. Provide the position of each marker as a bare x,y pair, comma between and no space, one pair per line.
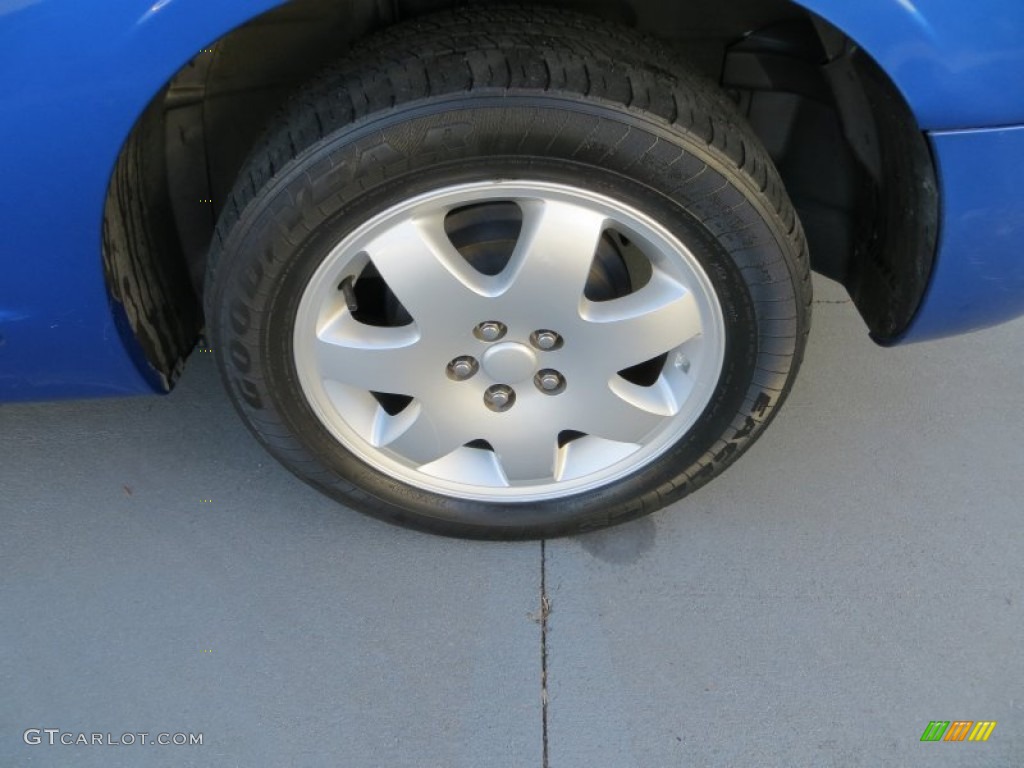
858,574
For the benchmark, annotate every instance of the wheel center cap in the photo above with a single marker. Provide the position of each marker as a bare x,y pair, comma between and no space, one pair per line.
509,363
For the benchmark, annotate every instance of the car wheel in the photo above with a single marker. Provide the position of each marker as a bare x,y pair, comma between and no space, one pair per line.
508,274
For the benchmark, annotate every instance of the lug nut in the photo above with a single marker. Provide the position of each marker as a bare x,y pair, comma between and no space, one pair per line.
462,368
500,397
491,330
546,340
549,382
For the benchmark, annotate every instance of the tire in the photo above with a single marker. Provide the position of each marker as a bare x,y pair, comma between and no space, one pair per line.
384,277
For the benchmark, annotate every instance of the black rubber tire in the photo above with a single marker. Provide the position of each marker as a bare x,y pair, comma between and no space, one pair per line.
507,92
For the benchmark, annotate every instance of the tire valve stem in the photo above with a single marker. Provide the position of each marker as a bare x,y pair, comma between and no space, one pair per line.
348,288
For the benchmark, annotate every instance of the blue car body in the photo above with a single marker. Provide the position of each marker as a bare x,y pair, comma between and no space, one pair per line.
75,76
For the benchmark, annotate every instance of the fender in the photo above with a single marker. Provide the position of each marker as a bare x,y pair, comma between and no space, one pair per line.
956,63
958,66
74,78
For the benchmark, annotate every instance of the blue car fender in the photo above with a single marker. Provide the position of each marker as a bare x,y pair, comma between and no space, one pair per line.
75,76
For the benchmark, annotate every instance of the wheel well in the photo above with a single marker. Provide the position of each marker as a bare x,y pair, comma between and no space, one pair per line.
853,159
855,163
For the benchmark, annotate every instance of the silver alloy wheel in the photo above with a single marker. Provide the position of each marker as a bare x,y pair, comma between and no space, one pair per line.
510,385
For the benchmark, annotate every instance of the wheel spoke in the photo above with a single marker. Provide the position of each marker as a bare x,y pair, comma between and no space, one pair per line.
425,271
589,454
370,357
638,327
468,465
552,260
418,435
526,456
623,411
